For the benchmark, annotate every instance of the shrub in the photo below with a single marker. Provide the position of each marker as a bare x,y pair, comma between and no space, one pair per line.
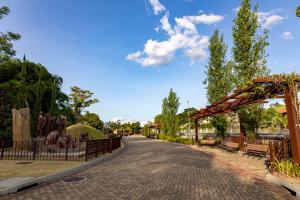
287,167
177,139
76,130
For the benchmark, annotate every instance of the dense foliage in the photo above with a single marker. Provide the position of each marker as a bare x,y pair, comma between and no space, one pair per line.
27,84
271,118
170,106
92,120
133,127
184,117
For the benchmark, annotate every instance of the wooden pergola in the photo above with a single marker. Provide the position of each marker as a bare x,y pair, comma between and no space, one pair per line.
156,127
259,91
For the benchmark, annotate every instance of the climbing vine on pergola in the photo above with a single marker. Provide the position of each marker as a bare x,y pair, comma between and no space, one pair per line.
258,91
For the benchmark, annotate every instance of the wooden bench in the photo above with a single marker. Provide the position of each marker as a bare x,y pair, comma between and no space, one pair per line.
230,146
259,150
210,142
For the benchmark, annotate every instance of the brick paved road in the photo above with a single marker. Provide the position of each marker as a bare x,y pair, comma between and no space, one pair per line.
151,169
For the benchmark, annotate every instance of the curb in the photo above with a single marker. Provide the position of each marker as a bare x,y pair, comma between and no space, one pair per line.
59,175
287,185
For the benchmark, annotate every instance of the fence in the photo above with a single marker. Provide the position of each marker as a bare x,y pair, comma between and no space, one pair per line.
39,150
261,139
280,150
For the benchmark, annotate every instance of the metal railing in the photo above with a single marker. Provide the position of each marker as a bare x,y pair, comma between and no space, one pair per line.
39,150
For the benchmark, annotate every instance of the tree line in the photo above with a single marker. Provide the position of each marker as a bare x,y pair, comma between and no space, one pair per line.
224,74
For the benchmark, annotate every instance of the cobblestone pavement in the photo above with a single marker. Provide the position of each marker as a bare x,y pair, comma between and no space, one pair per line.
152,169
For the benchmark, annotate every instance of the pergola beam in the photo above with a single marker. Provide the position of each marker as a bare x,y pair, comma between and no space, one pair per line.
272,88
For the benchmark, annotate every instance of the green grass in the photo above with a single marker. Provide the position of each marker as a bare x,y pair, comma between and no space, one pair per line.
76,130
177,139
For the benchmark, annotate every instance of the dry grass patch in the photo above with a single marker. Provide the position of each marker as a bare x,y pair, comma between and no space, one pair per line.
10,168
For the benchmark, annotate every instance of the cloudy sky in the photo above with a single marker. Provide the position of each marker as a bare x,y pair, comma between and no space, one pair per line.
131,52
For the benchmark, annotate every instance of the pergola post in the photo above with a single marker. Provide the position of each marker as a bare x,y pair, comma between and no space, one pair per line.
196,131
242,136
293,122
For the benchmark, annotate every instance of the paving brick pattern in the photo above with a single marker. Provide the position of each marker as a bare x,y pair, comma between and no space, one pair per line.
151,169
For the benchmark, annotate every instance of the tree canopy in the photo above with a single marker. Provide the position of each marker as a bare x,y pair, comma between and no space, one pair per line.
32,84
92,119
249,59
6,39
27,84
81,99
183,118
248,46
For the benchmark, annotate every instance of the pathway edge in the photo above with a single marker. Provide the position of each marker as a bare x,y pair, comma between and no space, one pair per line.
59,175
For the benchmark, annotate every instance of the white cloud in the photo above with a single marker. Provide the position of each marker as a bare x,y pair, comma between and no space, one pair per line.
182,36
134,56
157,6
204,19
269,19
165,25
186,24
236,9
116,119
287,35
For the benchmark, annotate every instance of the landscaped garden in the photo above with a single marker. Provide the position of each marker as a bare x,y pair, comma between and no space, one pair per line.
237,89
250,124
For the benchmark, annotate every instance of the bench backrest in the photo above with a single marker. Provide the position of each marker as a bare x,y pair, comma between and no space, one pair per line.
257,147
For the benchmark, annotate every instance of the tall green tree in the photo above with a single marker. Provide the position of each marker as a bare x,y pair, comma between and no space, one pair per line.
219,78
92,119
250,59
53,97
273,119
169,113
248,46
136,127
158,120
81,99
6,39
114,125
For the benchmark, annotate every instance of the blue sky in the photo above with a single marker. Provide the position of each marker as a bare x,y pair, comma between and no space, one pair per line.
130,53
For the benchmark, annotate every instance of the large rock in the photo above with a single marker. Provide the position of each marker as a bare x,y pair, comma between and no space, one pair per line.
21,125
